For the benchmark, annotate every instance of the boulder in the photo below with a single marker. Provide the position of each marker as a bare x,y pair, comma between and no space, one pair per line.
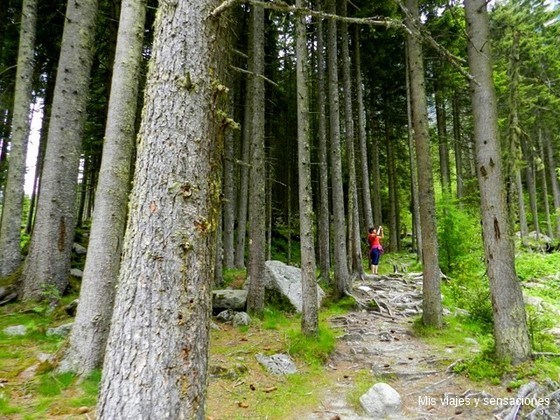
241,319
15,330
76,272
277,364
229,299
382,401
286,279
79,249
60,331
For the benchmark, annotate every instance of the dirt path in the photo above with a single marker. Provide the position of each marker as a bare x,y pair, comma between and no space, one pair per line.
382,343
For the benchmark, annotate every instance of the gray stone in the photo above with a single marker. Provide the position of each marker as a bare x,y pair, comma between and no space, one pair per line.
382,401
79,249
60,331
277,364
241,319
15,330
287,280
229,299
76,273
226,316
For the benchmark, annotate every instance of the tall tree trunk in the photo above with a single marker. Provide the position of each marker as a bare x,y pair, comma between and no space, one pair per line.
47,265
257,222
243,192
12,206
531,183
458,145
341,276
353,212
441,118
362,136
415,204
551,161
93,317
544,183
310,312
376,175
393,220
510,325
229,203
515,155
323,216
160,326
431,306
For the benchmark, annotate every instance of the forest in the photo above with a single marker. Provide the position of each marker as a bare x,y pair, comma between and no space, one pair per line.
158,155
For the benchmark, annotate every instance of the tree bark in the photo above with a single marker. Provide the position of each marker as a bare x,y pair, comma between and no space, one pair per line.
93,317
339,223
510,325
310,312
156,363
362,136
353,212
458,146
551,161
47,265
12,206
257,222
323,216
415,204
432,308
441,118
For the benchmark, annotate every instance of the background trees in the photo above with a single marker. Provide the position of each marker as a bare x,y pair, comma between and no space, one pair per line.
360,62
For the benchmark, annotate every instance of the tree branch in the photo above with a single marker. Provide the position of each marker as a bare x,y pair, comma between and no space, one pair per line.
281,6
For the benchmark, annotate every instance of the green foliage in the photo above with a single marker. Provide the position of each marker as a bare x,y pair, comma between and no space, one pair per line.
531,265
234,278
51,384
538,324
459,237
483,368
274,318
314,350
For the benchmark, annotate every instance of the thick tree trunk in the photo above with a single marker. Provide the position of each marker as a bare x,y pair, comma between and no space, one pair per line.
156,362
47,265
91,326
243,192
12,206
510,325
257,222
353,212
310,312
415,204
432,308
339,222
323,216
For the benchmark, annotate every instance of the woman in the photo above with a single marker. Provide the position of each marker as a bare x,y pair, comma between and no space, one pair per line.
375,248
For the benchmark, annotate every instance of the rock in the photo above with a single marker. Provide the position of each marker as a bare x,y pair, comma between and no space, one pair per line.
223,372
70,309
229,299
471,341
76,273
287,280
277,364
226,316
79,249
15,330
60,331
241,319
533,301
382,401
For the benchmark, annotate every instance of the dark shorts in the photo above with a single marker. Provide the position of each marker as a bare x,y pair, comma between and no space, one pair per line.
374,255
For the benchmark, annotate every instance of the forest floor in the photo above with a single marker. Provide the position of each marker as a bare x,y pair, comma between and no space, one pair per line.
373,346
